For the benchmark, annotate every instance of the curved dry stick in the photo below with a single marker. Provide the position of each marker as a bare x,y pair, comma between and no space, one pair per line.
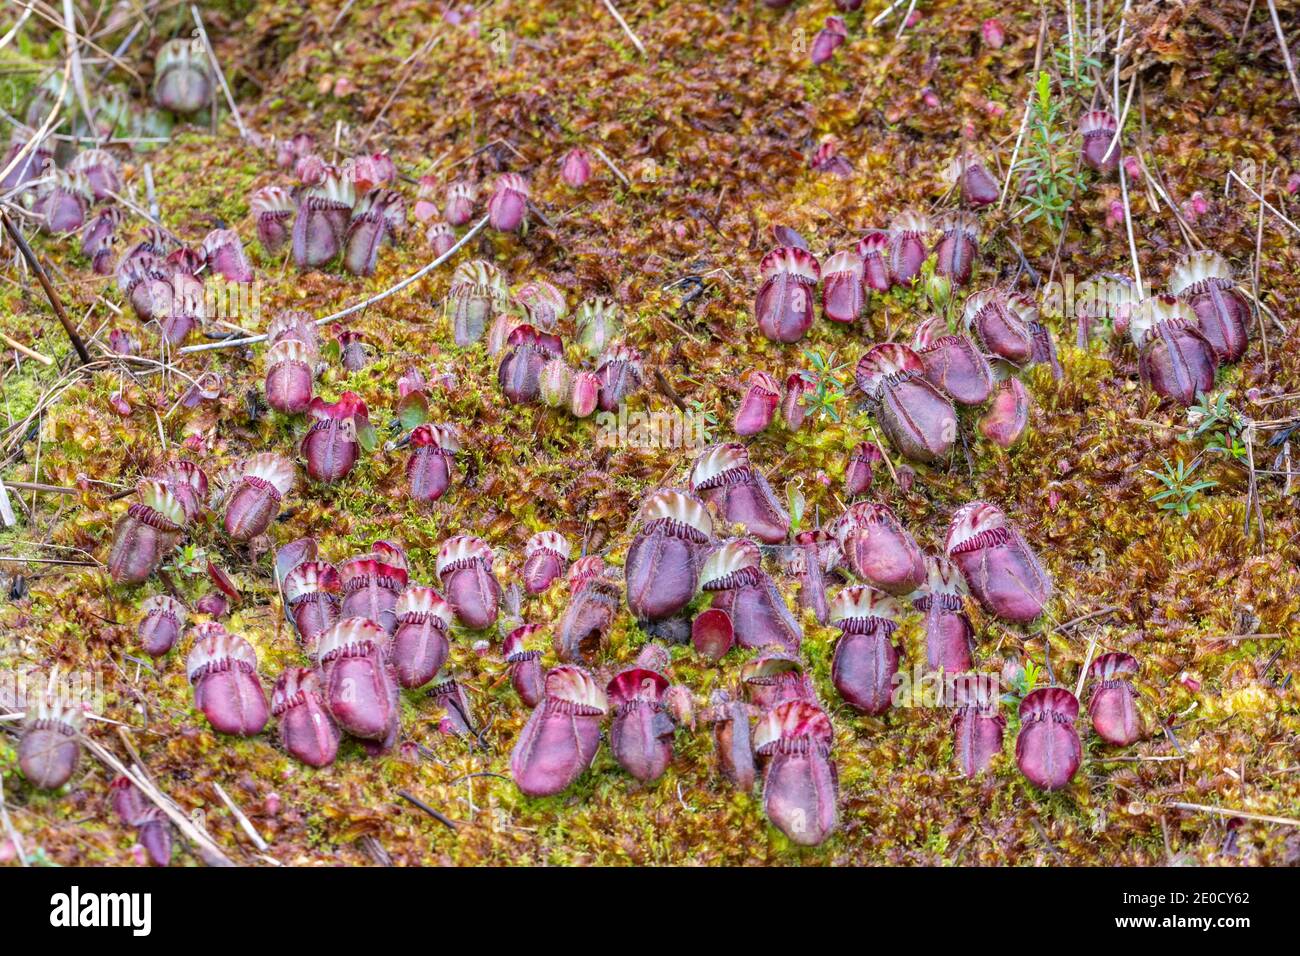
440,817
365,304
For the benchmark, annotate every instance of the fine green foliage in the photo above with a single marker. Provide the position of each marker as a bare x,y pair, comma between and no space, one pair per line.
1027,678
1219,426
1180,491
1048,171
1079,82
707,416
829,384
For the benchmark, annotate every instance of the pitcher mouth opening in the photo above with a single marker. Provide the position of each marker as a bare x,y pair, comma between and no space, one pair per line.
796,726
860,610
1199,271
797,263
460,552
574,688
683,510
974,526
731,565
886,364
1156,311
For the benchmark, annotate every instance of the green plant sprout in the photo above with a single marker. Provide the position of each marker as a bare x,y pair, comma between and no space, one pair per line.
1026,679
828,388
1081,80
1219,426
707,416
190,559
1179,494
1048,171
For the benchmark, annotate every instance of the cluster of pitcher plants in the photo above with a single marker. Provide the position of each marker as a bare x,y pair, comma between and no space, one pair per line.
708,563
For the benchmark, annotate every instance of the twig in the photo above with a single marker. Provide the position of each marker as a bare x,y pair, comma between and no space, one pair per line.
1046,839
612,168
1015,152
1119,42
13,559
1173,739
1123,116
1147,157
221,76
536,211
1254,276
1229,812
1252,502
74,57
1128,225
30,353
208,850
1244,637
375,850
51,19
391,290
1071,28
666,388
1245,25
7,516
13,30
1286,53
902,24
1029,103
44,280
34,140
1083,672
343,12
151,193
476,774
1119,59
609,5
1123,177
120,51
883,15
440,817
245,824
1232,174
136,759
1111,609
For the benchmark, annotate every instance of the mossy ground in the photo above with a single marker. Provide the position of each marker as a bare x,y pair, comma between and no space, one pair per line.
714,130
